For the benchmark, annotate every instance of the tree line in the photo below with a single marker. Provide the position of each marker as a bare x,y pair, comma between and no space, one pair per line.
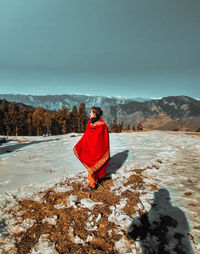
17,119
21,120
119,127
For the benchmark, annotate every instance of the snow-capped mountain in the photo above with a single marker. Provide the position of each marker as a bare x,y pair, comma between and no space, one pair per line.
167,113
56,102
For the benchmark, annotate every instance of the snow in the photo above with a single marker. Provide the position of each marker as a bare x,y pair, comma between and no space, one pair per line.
98,217
44,246
71,201
51,221
38,163
27,223
88,203
62,188
171,159
8,143
119,218
75,239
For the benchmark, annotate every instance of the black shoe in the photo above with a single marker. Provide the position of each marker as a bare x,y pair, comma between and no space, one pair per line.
89,189
100,183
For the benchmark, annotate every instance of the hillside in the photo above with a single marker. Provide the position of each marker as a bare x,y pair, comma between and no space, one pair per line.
168,113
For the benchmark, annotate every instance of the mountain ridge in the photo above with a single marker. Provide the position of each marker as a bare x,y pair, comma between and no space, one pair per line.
55,102
164,113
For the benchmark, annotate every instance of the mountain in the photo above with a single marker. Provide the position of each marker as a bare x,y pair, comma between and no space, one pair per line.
56,102
168,113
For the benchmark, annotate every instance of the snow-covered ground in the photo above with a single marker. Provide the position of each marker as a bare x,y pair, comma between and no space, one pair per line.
172,159
37,163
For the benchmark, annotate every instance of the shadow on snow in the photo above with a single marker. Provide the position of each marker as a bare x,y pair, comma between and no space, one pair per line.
11,148
116,162
163,229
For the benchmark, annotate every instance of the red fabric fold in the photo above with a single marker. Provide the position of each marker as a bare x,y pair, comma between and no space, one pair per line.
93,148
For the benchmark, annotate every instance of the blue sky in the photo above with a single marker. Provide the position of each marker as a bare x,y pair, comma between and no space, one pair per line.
98,47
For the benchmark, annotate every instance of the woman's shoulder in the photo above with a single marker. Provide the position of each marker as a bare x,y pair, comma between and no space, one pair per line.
101,122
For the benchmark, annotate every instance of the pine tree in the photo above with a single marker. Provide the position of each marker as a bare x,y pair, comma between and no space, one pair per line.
82,118
64,127
38,120
2,127
30,123
6,121
17,119
12,114
22,126
128,127
47,122
120,127
60,117
74,120
113,126
66,120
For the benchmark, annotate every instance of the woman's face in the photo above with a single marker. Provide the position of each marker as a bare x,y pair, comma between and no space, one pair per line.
92,114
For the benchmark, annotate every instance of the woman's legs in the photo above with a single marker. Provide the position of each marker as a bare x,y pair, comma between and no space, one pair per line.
91,180
97,175
101,172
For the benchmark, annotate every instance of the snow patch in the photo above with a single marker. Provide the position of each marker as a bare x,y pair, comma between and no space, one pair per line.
88,203
71,201
51,221
44,246
60,189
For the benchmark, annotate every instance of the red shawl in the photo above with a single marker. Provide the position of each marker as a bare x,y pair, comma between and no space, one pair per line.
93,148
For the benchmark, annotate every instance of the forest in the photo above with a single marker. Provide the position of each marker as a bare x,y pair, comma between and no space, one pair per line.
17,119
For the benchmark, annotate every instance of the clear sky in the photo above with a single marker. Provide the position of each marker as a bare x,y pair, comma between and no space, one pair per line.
100,47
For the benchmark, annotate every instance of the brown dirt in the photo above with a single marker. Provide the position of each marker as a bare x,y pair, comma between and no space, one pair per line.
193,133
73,222
20,140
197,227
188,193
136,182
76,218
192,204
144,129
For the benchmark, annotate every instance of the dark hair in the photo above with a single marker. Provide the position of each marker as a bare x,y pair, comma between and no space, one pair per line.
97,111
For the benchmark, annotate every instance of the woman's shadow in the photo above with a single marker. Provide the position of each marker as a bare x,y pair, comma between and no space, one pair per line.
162,230
116,162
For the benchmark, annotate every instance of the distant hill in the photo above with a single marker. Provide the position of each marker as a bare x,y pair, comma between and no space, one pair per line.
56,102
167,113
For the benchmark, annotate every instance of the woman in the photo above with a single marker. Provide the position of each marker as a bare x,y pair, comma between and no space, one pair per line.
93,149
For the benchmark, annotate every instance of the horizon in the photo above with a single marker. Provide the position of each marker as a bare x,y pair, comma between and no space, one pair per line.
90,95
